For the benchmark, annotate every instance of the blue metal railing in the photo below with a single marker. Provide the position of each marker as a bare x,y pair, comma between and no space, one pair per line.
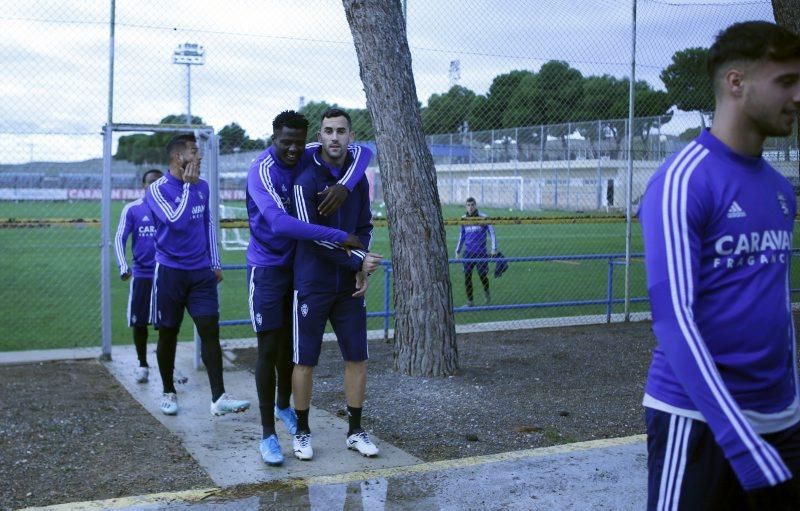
387,313
608,300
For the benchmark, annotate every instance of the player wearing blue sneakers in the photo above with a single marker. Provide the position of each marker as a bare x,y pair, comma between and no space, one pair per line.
330,283
136,222
721,400
187,272
270,258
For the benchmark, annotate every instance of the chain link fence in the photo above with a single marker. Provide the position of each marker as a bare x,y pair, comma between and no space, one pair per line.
525,108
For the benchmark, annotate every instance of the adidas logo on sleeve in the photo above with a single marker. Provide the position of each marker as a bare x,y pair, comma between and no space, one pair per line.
736,211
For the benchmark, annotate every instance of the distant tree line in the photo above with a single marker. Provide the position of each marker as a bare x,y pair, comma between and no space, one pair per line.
149,149
554,95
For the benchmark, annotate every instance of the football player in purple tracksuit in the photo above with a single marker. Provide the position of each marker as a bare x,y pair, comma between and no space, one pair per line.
136,221
187,272
472,238
330,284
721,399
270,259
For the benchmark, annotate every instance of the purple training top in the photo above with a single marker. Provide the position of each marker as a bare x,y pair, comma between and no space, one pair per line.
136,220
185,237
717,231
270,206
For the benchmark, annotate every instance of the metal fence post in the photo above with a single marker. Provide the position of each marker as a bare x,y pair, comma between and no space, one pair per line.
629,186
105,205
105,247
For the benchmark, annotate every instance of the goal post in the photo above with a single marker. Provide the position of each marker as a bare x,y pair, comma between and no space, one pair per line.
499,192
234,238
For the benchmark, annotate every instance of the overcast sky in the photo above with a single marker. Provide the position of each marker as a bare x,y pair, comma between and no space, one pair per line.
263,55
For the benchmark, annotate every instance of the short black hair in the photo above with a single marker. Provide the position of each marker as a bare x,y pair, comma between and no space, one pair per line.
751,41
290,119
178,142
471,199
336,112
151,171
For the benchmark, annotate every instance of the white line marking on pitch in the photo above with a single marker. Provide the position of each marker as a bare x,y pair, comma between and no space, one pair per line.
564,261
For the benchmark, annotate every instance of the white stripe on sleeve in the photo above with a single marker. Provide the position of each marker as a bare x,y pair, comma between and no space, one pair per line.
119,247
266,180
212,241
163,204
679,268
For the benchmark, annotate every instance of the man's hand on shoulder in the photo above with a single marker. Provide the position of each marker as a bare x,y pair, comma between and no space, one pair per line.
333,198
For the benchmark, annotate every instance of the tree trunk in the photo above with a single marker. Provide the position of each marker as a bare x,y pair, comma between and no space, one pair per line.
787,14
424,338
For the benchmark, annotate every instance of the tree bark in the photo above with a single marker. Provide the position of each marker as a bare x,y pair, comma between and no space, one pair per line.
424,338
787,14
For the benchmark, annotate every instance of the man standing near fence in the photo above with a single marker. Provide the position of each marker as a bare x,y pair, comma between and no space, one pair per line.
270,259
472,239
136,221
187,272
330,284
722,409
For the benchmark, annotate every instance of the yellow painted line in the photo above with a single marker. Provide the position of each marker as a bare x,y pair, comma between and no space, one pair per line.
186,496
199,495
461,463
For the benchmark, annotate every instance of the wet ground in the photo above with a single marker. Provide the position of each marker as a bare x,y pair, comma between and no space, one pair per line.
599,475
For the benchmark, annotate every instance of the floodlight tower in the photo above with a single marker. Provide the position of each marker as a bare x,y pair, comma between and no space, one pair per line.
455,73
189,54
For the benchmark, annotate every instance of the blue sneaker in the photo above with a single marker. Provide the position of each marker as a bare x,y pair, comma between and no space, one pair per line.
288,417
271,451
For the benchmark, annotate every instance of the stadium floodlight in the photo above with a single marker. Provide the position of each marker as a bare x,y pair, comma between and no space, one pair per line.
189,54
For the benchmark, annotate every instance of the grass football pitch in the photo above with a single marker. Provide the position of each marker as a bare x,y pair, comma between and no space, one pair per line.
51,276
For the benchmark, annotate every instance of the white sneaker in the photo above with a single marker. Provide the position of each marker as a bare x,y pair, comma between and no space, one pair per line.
227,404
141,374
360,442
169,403
301,445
